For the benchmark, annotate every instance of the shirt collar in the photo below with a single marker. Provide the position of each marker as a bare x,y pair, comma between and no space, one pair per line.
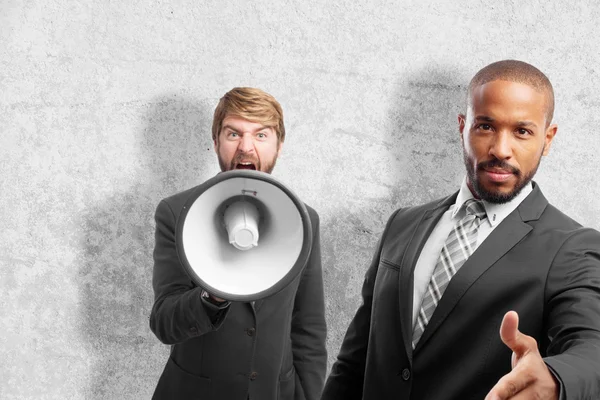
495,212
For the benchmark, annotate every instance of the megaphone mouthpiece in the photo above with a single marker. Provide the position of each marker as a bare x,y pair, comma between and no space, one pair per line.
241,221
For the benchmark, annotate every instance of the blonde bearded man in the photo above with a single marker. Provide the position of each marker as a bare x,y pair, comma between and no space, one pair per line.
269,349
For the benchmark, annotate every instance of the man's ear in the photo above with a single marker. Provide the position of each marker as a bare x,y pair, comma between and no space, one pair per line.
550,133
462,120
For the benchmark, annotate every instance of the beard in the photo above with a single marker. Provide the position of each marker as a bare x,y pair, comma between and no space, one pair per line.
495,196
256,163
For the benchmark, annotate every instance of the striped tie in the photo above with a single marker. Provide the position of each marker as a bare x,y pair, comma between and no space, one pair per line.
458,248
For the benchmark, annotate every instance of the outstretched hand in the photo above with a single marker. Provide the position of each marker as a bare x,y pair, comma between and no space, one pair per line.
530,377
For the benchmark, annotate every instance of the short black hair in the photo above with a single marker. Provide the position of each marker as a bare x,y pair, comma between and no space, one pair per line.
516,71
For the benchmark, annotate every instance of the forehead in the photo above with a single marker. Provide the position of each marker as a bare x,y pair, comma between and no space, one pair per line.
242,124
508,98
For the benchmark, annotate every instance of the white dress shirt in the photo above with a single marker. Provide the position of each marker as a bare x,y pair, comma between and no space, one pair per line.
433,247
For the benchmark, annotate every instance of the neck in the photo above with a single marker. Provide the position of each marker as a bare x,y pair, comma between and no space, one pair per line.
470,186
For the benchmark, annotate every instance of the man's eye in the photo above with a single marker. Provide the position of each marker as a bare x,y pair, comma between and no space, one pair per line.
233,134
523,132
485,127
261,135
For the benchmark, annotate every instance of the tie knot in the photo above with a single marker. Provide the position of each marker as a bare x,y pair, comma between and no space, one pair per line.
475,207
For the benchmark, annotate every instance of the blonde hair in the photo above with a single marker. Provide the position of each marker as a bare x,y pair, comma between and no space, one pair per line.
251,104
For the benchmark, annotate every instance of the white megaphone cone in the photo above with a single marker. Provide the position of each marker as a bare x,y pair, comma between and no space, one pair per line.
217,236
241,221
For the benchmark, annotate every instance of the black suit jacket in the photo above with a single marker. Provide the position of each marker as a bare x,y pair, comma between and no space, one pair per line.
272,349
537,262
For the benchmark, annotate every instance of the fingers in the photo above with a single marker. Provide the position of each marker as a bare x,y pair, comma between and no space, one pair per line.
519,343
511,385
217,299
509,330
526,376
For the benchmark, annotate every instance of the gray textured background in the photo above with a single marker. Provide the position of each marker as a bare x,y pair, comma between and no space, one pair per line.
106,107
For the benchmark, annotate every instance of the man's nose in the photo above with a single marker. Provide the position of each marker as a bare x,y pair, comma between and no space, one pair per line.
246,144
501,146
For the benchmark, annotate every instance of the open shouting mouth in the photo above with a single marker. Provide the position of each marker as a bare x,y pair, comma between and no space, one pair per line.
245,165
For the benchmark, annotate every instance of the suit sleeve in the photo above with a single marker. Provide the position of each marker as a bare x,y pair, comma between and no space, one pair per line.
309,331
346,379
573,315
179,312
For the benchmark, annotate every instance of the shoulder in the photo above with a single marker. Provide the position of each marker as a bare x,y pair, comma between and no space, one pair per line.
314,216
557,219
559,228
413,214
545,218
180,197
176,201
557,231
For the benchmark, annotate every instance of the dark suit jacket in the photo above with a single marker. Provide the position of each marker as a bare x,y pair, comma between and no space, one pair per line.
537,262
274,349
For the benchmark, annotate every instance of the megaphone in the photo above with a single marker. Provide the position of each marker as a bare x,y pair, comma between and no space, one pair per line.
243,236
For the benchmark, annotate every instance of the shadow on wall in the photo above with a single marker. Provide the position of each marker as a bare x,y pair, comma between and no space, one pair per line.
175,152
424,128
424,156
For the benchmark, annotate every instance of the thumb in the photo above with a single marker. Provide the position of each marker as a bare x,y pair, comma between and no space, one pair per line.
510,335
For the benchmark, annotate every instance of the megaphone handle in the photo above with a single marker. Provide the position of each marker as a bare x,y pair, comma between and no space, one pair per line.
214,300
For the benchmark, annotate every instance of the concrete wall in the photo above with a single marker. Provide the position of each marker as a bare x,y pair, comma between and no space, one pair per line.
105,108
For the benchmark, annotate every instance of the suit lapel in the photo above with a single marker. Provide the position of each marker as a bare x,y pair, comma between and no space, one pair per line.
506,235
258,304
409,260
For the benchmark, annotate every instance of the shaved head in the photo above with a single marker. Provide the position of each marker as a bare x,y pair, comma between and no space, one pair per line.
516,71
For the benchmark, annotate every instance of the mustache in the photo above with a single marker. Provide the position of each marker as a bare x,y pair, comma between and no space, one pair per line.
496,163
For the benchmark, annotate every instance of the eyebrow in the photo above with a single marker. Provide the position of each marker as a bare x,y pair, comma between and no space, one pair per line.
526,123
485,118
235,130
